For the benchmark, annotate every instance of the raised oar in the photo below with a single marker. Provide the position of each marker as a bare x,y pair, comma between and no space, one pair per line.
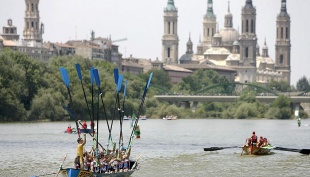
123,108
92,80
79,73
119,86
302,151
97,79
218,148
147,85
65,78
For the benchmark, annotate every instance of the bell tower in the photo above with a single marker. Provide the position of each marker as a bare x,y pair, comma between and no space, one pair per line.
248,43
283,43
33,29
170,39
209,26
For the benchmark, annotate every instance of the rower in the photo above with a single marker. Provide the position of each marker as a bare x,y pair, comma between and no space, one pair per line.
254,139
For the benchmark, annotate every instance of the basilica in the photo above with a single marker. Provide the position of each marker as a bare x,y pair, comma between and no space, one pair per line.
232,53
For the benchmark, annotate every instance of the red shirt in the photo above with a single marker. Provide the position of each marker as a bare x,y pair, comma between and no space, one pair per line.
254,138
84,126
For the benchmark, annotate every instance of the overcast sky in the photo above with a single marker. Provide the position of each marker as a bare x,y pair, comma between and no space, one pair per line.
141,22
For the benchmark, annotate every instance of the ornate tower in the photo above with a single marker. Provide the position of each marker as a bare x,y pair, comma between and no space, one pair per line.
248,43
170,39
228,18
209,26
283,43
189,46
33,29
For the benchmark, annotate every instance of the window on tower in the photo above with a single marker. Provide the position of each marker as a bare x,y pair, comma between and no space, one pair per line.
32,8
287,33
168,52
168,27
247,26
281,59
32,24
252,26
281,32
246,52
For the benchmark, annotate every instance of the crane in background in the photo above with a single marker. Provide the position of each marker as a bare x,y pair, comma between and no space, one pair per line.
119,40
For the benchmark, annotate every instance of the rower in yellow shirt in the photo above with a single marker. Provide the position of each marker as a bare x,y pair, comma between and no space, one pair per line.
80,149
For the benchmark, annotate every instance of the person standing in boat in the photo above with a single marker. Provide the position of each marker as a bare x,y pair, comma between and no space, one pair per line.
254,139
80,149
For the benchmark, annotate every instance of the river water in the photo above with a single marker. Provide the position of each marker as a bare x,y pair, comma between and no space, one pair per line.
172,148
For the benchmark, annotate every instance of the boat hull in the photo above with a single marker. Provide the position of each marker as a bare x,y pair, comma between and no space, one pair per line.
71,172
254,150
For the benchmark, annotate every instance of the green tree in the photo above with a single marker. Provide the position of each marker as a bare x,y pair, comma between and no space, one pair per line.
283,103
303,84
280,86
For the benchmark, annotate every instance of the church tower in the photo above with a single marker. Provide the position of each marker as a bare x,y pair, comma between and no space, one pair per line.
248,43
33,29
209,26
283,43
170,39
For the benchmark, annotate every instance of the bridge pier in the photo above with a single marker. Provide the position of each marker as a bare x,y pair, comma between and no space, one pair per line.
185,104
194,107
296,107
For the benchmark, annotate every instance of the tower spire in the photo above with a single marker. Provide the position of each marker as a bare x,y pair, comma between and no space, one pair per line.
248,3
171,6
228,7
283,6
210,8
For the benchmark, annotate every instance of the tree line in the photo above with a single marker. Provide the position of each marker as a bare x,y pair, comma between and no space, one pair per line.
32,90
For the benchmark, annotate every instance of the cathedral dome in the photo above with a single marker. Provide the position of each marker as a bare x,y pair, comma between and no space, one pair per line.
229,35
186,57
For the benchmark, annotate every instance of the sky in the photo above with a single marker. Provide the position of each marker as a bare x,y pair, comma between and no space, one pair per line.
141,22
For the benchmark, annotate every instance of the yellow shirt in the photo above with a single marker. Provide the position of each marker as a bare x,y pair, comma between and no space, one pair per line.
80,150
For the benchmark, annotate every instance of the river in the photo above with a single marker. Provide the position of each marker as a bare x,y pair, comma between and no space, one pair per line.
172,148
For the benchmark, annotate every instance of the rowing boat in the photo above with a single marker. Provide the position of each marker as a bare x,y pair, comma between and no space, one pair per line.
254,150
72,172
105,163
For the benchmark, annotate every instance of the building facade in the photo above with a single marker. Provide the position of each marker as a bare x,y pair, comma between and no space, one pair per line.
170,39
227,48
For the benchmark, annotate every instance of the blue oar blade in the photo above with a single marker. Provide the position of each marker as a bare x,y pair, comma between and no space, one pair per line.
116,75
149,82
96,75
65,76
119,83
125,87
92,79
78,70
